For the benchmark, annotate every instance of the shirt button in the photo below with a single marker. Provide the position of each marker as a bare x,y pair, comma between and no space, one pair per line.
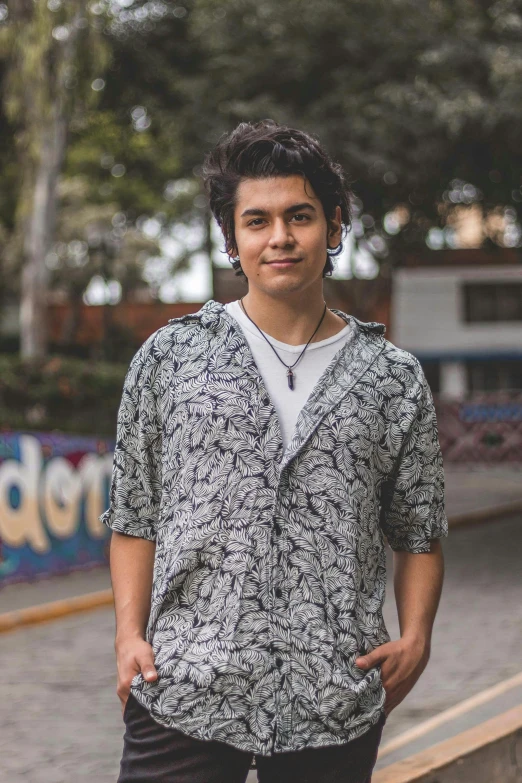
279,662
278,592
265,399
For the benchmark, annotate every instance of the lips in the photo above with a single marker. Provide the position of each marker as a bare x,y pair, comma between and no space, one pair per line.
284,261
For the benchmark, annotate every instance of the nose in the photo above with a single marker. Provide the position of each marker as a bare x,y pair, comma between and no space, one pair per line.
281,235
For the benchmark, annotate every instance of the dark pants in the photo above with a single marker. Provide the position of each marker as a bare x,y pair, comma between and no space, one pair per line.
153,753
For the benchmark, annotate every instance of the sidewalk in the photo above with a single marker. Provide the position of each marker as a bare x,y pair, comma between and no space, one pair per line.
43,591
468,489
463,716
475,488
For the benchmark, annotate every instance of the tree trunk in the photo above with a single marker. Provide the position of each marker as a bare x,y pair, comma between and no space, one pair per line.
46,142
38,239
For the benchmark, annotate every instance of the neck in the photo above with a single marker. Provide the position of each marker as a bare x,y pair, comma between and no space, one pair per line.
290,320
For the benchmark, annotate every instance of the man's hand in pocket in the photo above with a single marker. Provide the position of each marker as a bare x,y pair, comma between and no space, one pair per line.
402,663
133,656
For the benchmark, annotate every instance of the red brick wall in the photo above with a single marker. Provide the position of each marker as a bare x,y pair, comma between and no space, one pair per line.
142,318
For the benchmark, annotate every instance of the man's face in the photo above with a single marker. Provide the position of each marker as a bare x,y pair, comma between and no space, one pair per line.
278,218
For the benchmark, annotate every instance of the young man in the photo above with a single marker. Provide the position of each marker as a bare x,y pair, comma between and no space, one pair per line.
264,449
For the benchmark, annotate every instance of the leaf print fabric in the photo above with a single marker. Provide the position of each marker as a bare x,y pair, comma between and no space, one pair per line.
136,479
270,564
416,510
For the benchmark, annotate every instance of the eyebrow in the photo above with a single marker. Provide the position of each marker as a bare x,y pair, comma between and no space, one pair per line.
293,208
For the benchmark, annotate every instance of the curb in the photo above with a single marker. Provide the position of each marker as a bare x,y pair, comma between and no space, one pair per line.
469,518
482,754
43,613
459,709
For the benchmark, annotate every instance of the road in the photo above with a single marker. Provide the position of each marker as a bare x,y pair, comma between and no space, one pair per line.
60,719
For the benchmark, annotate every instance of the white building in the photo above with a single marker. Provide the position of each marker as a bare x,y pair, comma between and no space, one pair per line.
460,313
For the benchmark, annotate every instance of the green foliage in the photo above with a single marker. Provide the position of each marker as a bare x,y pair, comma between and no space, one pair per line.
408,96
107,138
47,51
60,394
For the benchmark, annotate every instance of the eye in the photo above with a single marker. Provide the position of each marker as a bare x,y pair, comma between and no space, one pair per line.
302,215
253,222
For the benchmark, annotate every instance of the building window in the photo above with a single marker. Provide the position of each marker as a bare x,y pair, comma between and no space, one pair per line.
487,302
494,375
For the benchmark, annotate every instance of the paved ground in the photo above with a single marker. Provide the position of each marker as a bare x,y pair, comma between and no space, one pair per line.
450,728
471,488
60,718
478,630
42,591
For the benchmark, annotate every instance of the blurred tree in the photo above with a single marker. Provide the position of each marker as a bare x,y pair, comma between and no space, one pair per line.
92,241
49,47
421,102
9,186
120,162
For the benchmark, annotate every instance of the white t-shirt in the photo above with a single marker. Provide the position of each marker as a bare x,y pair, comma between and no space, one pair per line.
288,402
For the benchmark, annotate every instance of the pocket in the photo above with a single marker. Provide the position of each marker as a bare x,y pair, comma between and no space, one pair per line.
127,705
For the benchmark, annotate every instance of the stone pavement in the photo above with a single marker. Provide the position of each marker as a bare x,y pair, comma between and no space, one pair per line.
42,591
474,488
452,726
477,636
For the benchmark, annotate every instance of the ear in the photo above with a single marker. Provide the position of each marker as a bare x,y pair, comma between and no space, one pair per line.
334,233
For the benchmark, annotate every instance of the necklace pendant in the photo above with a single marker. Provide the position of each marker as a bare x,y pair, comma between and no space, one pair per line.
290,376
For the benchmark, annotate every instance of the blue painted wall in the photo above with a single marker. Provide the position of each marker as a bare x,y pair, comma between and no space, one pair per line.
53,489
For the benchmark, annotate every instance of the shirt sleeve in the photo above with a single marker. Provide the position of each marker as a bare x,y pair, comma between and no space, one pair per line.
135,490
413,503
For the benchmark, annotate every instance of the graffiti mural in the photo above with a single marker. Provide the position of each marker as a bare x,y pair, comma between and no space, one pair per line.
53,488
485,428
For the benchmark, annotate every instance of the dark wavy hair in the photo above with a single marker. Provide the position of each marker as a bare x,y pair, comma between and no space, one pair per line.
267,149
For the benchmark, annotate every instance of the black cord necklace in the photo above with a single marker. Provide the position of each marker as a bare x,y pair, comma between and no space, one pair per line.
290,374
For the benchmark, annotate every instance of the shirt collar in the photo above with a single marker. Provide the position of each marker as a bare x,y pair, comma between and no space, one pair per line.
336,381
211,313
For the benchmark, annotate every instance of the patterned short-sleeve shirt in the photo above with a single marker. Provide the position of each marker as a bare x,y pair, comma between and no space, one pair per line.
270,563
